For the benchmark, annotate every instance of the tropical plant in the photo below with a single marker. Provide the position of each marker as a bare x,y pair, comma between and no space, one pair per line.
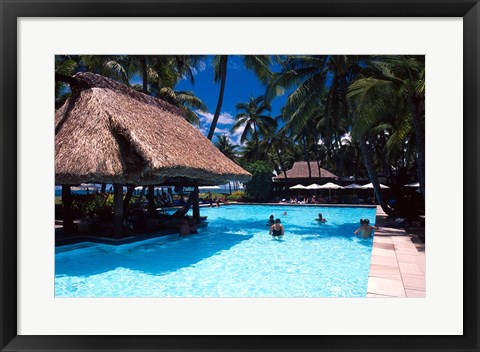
253,119
64,66
227,148
159,75
398,91
259,187
279,149
259,64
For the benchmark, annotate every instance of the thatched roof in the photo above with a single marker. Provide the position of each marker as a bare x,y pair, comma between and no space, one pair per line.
107,132
299,170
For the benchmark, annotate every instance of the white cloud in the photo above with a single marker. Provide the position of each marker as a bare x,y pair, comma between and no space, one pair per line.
236,135
225,118
222,130
224,126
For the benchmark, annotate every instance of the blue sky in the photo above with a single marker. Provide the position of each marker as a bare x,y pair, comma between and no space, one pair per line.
239,86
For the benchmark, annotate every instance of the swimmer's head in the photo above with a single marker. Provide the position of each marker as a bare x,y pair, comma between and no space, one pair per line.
277,221
271,216
366,221
362,221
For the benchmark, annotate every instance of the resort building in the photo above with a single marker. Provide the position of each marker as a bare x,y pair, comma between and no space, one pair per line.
304,173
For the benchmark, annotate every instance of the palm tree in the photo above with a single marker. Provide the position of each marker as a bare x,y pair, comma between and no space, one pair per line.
159,76
398,89
166,73
259,64
118,67
252,152
278,146
366,128
64,66
318,99
252,118
186,101
227,148
323,81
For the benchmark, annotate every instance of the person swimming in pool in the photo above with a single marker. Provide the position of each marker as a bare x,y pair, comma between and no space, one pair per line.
277,230
271,220
365,230
321,219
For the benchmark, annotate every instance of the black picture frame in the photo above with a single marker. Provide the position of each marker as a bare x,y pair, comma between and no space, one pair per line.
11,10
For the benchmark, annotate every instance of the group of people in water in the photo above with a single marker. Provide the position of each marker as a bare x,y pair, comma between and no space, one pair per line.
277,230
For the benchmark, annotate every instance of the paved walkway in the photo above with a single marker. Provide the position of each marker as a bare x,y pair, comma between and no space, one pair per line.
397,266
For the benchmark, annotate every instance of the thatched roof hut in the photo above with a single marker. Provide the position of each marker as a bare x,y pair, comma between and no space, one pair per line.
107,132
299,171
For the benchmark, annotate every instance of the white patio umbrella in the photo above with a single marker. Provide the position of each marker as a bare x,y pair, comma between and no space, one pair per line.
299,186
370,185
313,186
353,186
330,186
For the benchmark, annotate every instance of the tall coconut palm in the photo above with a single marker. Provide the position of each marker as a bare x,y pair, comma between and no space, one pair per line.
317,81
365,131
118,67
253,119
398,90
259,64
278,146
186,101
166,72
159,76
227,148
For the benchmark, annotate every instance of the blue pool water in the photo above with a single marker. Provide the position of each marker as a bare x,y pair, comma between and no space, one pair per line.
233,257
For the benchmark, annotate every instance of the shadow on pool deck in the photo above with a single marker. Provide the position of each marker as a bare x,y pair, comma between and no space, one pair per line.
157,258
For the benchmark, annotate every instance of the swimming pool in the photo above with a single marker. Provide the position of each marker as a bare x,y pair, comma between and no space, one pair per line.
233,257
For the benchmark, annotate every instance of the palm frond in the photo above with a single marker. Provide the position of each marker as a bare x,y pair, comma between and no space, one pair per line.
189,98
260,65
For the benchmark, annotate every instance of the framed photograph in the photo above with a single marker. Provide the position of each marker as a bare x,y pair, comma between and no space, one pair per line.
318,74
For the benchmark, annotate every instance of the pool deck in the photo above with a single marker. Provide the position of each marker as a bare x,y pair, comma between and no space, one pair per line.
397,267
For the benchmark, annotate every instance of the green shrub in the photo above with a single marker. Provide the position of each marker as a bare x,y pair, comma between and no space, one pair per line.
236,196
259,188
92,205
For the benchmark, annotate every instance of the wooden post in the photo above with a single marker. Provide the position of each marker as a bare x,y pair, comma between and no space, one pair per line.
67,209
196,206
117,210
127,199
151,201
